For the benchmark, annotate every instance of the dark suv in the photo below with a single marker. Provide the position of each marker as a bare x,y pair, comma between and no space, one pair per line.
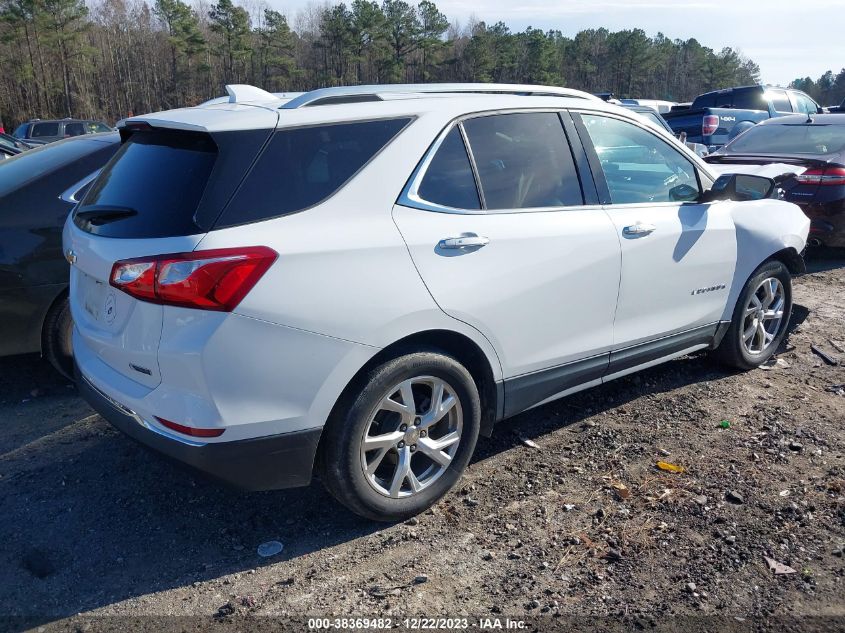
37,190
49,130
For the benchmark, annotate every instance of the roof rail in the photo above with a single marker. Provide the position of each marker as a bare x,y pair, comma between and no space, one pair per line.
354,94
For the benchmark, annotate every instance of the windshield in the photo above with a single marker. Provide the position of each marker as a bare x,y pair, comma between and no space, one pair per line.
790,139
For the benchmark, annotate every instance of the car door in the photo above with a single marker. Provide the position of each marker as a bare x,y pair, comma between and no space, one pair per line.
504,241
678,257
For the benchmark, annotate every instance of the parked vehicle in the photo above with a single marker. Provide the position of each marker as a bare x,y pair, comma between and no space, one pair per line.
811,147
838,110
37,190
49,130
365,279
9,142
714,118
653,117
658,105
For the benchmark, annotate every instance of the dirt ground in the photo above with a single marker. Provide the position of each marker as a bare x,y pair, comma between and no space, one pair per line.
581,524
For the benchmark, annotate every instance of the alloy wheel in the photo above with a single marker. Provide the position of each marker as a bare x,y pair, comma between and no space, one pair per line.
412,436
763,315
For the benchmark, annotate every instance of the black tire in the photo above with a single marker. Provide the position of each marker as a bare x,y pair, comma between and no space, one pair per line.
56,341
341,459
731,350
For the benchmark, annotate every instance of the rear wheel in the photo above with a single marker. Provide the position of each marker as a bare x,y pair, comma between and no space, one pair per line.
405,439
56,336
760,318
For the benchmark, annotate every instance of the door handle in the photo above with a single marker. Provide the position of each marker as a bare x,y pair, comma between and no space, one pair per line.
639,229
467,240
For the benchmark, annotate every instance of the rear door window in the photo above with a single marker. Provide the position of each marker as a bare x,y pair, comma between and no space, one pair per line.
449,180
749,100
780,100
47,129
151,188
523,161
302,167
74,129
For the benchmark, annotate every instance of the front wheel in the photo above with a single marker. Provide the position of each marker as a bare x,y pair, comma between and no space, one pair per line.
760,318
404,440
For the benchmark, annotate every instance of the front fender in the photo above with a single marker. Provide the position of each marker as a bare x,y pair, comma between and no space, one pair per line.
763,229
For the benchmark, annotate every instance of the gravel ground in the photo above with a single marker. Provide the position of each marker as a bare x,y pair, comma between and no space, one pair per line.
581,523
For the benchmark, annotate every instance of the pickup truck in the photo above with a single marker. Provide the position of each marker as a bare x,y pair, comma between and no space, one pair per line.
714,118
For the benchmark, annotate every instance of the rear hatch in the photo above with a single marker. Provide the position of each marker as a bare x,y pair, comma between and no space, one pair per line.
160,194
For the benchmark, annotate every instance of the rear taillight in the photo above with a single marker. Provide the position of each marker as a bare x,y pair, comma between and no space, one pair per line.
825,176
709,124
190,430
208,280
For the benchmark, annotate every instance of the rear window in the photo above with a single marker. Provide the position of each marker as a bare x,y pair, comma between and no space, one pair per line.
790,139
41,130
780,100
301,167
156,178
34,163
704,101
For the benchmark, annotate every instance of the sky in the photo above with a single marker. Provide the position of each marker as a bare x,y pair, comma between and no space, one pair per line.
788,39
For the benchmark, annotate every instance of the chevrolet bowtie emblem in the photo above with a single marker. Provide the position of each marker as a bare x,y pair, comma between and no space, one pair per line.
70,256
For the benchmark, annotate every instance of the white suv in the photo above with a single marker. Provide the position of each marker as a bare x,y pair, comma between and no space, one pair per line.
358,281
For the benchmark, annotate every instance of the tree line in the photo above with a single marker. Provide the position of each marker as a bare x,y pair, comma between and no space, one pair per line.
109,58
828,90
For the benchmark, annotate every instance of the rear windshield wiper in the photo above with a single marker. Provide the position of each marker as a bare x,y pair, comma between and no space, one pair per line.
103,214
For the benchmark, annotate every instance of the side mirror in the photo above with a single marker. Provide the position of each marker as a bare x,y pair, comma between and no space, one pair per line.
740,187
684,193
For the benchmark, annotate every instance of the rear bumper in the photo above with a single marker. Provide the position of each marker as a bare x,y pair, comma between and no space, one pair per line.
264,463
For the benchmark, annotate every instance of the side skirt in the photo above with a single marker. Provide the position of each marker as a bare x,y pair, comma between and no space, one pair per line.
530,390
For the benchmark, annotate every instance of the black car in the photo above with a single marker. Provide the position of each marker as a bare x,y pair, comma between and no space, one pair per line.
49,130
37,190
815,146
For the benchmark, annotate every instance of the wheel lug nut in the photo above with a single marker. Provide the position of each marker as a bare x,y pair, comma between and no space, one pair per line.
401,444
423,434
413,447
403,427
417,422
